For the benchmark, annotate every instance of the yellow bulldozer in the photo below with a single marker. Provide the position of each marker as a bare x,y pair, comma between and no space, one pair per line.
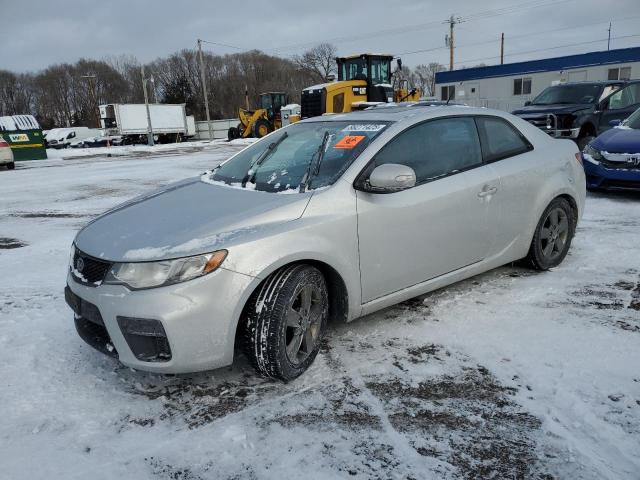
258,123
363,80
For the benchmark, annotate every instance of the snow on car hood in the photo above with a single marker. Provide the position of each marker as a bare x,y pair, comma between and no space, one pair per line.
187,218
619,140
552,108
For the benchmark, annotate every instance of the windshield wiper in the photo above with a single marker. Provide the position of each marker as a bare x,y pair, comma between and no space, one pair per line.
314,166
253,168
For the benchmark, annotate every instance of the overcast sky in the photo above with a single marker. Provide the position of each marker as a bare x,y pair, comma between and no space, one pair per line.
45,32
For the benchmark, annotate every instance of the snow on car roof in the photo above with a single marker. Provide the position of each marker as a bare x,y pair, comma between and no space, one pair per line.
396,113
19,122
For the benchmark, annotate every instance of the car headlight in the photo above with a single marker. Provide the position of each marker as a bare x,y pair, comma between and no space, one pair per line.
72,256
140,275
593,153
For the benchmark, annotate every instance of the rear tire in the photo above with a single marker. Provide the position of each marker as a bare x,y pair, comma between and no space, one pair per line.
553,235
11,166
286,319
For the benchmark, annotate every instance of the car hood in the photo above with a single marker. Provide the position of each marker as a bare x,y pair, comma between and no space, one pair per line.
187,218
556,109
619,140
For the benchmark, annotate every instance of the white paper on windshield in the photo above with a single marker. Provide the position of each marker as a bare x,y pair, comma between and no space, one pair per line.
365,127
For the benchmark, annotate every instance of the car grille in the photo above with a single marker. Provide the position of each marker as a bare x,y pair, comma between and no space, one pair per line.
93,270
546,123
538,122
311,103
621,161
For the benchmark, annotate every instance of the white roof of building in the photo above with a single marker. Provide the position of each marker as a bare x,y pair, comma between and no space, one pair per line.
19,122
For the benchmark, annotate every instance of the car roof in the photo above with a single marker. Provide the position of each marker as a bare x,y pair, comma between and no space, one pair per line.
592,82
401,113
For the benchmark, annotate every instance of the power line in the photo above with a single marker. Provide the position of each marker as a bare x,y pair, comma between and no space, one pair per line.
420,26
511,37
222,45
549,48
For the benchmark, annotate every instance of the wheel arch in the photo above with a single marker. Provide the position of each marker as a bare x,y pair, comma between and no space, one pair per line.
587,128
564,195
339,296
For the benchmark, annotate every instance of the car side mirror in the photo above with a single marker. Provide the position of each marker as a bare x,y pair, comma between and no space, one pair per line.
391,177
527,103
615,122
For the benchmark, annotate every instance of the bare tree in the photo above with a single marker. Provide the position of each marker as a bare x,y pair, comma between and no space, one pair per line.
425,77
320,61
59,95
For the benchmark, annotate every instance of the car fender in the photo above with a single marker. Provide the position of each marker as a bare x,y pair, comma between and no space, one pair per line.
326,233
566,178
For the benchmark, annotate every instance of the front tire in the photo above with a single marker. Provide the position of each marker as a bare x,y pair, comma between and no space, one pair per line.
553,235
11,166
286,319
261,128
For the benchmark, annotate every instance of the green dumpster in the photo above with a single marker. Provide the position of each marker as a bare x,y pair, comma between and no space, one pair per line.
26,144
24,136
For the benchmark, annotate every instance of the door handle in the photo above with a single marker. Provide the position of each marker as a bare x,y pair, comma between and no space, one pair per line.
487,190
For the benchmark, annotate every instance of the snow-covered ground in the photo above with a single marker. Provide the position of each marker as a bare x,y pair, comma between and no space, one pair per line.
512,374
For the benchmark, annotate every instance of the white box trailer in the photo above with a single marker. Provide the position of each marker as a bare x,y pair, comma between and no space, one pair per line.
168,122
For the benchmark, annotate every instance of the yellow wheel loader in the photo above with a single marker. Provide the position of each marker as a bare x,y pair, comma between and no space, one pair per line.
363,80
258,123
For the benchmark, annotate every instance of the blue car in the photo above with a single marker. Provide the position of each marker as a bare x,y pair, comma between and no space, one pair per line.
612,160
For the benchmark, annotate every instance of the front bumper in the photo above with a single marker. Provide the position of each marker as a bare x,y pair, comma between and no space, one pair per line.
198,319
599,176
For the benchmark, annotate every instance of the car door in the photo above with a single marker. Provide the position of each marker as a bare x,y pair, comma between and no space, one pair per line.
521,172
619,105
442,224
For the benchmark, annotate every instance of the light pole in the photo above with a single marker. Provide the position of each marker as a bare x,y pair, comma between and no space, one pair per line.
204,89
146,103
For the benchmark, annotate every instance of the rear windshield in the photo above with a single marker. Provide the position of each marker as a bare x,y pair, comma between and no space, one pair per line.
293,155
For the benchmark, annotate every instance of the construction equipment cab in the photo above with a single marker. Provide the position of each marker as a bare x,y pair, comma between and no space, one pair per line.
363,80
258,123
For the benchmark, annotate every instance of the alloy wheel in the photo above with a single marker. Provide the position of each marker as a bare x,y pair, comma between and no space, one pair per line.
554,234
304,319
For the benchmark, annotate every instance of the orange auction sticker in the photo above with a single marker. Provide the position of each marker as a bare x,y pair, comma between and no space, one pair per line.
349,141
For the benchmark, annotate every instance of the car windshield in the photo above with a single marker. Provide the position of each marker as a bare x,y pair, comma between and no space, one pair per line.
565,94
633,121
281,161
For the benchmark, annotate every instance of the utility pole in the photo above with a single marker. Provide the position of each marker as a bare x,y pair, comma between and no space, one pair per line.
502,49
204,90
146,103
449,40
91,79
609,38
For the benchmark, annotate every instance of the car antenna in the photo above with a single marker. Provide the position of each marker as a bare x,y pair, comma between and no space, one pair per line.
449,96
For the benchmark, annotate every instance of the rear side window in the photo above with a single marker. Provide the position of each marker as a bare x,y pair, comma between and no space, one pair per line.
500,139
435,149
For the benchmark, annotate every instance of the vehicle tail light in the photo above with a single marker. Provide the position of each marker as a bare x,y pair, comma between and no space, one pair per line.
3,143
579,157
